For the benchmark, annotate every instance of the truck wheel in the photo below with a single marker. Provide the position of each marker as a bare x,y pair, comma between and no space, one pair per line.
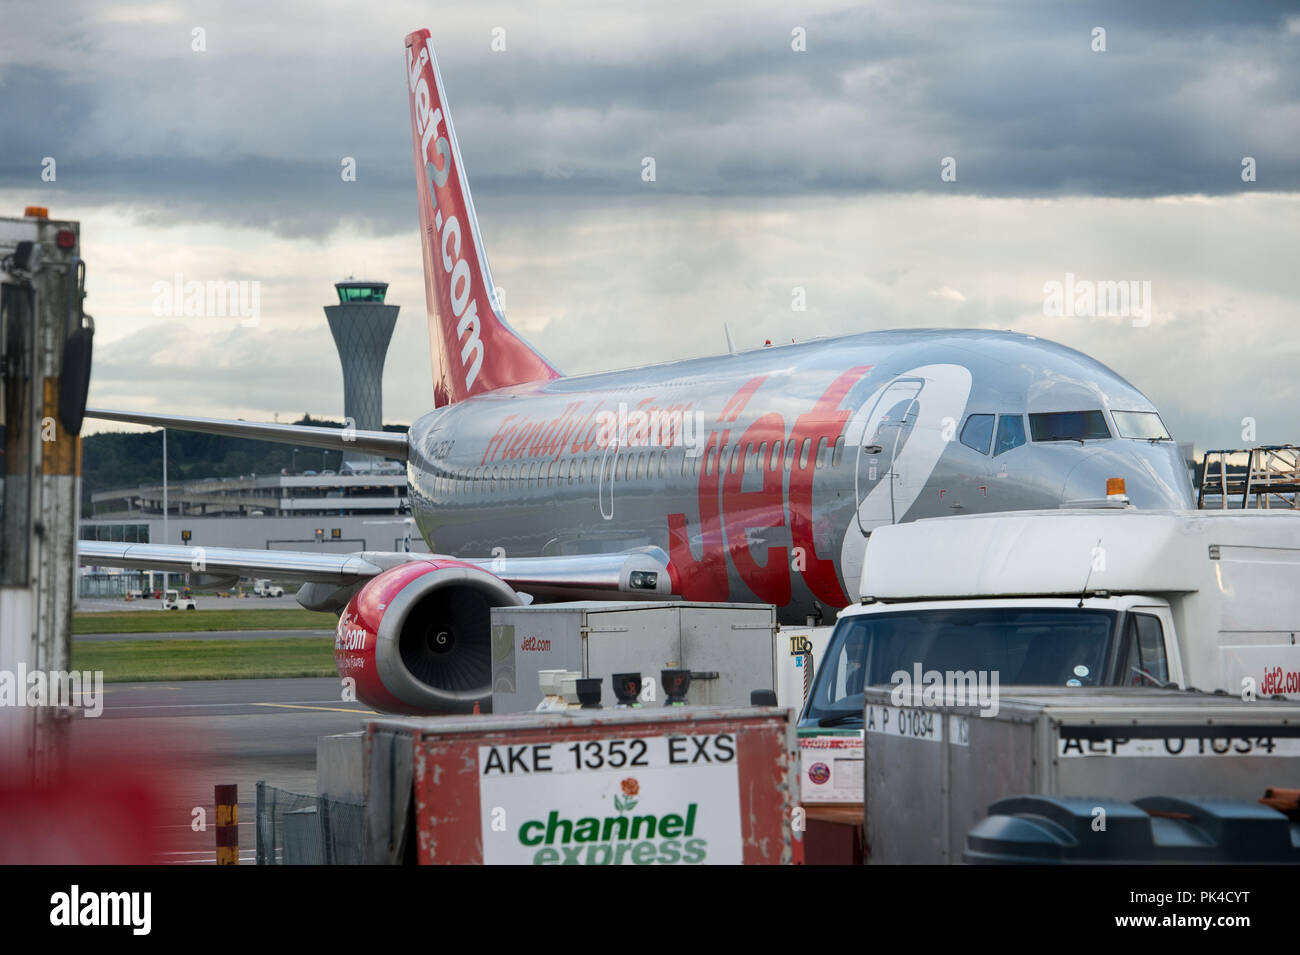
191,607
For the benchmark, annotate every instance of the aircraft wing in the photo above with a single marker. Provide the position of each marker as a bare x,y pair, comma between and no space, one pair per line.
233,561
388,444
641,573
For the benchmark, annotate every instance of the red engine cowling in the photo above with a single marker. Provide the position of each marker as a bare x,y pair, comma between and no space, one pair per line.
417,638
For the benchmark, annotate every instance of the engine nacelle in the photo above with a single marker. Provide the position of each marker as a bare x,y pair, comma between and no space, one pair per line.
417,638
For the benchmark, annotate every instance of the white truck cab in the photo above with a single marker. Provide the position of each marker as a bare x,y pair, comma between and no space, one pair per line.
1085,597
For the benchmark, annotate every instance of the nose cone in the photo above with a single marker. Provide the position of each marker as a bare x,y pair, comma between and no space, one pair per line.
1155,476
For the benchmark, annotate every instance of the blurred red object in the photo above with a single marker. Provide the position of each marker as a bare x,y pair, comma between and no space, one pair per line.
98,814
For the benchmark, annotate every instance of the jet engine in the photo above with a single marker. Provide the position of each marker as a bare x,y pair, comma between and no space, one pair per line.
417,637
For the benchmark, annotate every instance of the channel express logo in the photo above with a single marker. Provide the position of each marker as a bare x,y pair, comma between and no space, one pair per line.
619,839
647,800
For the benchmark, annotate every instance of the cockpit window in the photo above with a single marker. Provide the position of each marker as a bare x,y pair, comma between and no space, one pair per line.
1140,424
978,432
1011,433
1068,426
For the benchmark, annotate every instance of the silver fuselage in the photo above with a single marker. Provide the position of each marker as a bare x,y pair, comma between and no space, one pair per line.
566,467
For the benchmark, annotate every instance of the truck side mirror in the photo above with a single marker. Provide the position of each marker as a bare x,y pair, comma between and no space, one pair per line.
74,378
74,373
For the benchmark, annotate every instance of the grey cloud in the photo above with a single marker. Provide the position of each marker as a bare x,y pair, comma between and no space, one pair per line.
254,136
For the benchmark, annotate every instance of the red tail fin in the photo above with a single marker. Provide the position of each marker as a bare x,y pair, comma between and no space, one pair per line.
472,348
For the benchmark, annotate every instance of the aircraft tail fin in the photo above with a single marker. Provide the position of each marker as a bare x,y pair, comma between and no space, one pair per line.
473,349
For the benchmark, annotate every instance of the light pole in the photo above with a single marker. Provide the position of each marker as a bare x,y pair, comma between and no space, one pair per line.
164,589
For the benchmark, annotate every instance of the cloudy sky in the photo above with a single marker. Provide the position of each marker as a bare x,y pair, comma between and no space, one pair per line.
776,168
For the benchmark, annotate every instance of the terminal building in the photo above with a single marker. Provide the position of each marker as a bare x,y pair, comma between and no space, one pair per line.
361,505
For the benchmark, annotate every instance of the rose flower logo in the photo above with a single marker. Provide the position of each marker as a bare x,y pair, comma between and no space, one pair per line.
627,801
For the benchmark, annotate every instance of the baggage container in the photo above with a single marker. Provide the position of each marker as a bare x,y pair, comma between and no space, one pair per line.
932,771
676,785
730,649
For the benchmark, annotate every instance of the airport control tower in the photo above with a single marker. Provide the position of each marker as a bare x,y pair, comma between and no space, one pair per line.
362,326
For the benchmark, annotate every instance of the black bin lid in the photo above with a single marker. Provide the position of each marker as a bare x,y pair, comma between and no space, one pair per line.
1079,830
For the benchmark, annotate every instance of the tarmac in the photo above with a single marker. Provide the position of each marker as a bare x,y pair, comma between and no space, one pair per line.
199,734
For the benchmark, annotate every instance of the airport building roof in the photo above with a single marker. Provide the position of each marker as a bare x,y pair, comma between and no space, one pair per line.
260,495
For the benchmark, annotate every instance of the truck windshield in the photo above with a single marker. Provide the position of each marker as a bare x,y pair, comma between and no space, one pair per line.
1025,646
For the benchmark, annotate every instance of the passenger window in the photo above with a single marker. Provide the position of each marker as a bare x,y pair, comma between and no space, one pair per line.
822,445
1145,663
978,432
803,453
838,453
1011,433
775,463
640,465
663,463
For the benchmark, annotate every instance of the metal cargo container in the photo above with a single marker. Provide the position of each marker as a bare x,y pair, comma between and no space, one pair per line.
933,771
676,785
730,649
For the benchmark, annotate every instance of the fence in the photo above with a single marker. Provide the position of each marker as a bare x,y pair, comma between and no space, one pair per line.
298,829
113,585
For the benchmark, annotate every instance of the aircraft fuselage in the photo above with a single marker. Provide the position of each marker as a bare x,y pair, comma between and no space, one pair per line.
761,474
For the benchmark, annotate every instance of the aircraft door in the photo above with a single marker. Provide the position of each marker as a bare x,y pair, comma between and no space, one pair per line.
885,426
605,490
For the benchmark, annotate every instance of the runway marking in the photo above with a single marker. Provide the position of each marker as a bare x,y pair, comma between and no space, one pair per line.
299,706
242,859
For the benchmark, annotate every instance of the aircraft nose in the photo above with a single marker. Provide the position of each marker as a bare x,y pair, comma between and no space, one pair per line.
1154,474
